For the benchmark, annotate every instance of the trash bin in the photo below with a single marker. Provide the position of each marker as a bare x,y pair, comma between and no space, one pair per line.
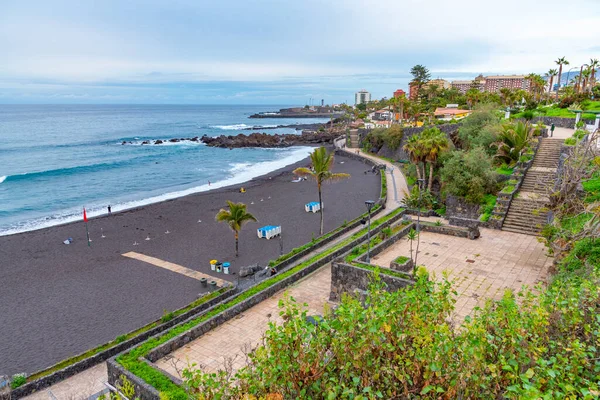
212,264
226,268
213,285
204,282
219,267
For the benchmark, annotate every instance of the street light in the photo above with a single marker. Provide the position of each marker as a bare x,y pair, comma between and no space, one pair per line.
568,72
369,204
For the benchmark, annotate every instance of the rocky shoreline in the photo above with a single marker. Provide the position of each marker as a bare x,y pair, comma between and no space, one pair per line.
270,141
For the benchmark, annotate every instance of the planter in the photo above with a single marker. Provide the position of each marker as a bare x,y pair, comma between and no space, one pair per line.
204,282
402,265
213,285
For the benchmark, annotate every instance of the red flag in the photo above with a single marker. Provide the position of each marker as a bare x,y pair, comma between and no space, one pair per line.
84,215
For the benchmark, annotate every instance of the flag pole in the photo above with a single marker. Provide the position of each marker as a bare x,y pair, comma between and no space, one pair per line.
86,227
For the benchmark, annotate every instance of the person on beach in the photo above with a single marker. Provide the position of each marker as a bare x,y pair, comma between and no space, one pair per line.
208,183
109,209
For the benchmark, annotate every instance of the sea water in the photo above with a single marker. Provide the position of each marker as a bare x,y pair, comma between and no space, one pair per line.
57,159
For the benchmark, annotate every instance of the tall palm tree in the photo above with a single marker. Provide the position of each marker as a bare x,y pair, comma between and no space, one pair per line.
560,62
586,74
551,74
322,161
235,217
434,142
416,153
594,63
506,94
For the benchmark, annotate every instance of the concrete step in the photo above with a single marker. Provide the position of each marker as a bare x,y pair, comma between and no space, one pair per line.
521,231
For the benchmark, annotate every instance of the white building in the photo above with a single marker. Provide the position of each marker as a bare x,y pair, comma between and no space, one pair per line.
362,97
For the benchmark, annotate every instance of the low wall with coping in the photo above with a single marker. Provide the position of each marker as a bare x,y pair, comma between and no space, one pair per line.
347,278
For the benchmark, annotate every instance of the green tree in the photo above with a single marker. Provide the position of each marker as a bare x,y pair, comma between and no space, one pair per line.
560,62
434,142
420,75
322,162
594,64
480,128
468,174
236,216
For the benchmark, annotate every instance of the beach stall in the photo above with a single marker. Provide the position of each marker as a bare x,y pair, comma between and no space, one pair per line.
313,206
268,231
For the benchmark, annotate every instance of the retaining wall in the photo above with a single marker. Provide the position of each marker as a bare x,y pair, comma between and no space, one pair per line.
347,278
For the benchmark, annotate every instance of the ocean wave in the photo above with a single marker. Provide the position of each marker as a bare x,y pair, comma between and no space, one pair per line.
2,178
236,127
238,175
165,142
70,170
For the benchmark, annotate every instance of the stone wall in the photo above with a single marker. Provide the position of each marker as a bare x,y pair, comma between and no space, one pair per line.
347,278
399,153
469,229
73,369
143,391
459,207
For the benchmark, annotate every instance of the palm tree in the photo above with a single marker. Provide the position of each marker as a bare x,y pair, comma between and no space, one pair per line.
414,149
322,161
587,73
560,62
594,63
506,94
551,74
434,142
235,217
513,140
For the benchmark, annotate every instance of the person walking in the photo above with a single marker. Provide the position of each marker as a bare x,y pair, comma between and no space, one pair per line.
552,130
109,209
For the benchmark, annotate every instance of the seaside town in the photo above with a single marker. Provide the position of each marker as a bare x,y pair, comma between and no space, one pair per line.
434,238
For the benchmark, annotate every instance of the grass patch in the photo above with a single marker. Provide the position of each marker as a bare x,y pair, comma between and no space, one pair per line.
160,382
504,170
488,205
592,188
401,259
384,271
576,223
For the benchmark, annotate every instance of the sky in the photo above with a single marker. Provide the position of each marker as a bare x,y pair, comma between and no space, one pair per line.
274,51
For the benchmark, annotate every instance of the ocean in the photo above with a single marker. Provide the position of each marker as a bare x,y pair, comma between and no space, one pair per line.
57,159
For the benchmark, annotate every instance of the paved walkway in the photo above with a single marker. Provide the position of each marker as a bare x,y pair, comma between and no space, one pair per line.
396,182
481,268
561,133
238,336
80,386
190,273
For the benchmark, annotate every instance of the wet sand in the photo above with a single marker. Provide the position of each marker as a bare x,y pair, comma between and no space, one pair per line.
59,300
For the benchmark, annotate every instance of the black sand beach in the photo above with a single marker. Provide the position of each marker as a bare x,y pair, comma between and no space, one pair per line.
59,300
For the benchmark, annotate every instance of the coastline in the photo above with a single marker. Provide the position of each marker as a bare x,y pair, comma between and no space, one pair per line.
90,295
132,205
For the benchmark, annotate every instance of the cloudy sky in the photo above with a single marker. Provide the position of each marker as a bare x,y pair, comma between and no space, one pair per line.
274,51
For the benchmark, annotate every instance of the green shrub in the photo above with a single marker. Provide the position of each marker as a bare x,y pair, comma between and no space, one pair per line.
18,380
571,141
468,175
504,170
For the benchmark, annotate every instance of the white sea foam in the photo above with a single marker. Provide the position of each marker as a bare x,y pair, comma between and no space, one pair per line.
239,173
2,179
165,142
236,127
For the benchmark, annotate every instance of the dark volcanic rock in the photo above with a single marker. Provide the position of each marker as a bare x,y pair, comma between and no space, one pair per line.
265,140
158,141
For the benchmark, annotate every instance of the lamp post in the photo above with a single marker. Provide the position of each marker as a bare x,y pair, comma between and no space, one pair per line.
369,204
568,72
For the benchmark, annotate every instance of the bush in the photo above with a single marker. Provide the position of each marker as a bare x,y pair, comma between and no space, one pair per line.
480,129
571,141
18,380
468,175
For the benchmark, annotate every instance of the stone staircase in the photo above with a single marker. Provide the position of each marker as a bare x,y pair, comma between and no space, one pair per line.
354,142
526,213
